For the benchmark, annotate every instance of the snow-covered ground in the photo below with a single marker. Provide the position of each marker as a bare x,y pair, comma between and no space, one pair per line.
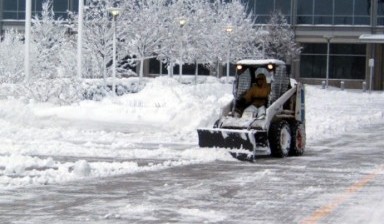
48,144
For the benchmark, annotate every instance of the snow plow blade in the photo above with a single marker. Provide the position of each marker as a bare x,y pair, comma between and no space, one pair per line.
227,138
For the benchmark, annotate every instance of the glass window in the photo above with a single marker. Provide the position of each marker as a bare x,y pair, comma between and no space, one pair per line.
312,61
60,5
284,6
343,12
37,5
323,20
362,7
362,10
361,20
250,4
314,49
323,12
305,19
305,7
10,5
380,21
347,67
346,49
347,61
74,5
380,7
380,12
10,15
347,12
337,20
323,7
21,5
312,66
61,15
304,11
262,19
344,7
264,7
21,9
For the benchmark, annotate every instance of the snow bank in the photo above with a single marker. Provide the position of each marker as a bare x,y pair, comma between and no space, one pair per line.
331,113
50,144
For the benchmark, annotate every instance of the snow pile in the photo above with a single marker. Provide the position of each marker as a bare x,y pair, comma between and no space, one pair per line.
331,113
147,131
18,170
164,104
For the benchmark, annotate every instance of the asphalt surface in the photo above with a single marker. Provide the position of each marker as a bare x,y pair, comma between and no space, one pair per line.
336,181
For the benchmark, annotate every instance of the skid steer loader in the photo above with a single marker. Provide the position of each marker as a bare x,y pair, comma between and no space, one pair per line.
280,133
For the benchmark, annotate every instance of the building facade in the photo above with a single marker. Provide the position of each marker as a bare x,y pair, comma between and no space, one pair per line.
339,37
352,28
12,12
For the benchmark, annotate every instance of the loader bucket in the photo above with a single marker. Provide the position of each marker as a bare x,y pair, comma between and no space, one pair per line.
227,138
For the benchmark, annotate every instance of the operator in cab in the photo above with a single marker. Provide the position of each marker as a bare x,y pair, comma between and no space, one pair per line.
253,102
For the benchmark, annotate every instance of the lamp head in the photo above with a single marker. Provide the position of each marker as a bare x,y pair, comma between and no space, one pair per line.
182,22
114,11
229,29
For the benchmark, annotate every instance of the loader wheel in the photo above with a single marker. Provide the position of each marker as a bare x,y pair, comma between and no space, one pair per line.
298,138
279,137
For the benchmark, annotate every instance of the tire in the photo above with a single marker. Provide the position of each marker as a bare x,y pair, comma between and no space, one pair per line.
279,137
298,138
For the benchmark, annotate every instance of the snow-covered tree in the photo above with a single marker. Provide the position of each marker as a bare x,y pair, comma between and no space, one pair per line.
97,38
145,25
204,38
11,60
240,34
177,37
196,46
145,29
279,40
48,37
232,33
52,53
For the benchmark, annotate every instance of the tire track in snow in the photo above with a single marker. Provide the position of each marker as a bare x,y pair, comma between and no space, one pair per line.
327,209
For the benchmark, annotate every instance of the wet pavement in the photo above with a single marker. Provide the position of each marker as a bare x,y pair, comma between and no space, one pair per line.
336,181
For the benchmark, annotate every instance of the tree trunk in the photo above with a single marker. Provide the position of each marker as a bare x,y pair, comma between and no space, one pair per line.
141,69
104,72
218,69
196,72
170,70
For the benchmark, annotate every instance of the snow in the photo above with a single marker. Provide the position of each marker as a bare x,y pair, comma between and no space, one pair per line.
260,62
334,112
154,129
371,38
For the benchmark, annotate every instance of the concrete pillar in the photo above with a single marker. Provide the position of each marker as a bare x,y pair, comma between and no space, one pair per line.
378,78
1,17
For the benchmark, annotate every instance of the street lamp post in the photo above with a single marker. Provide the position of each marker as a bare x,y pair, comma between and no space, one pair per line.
28,15
114,12
229,30
371,64
80,39
182,22
328,38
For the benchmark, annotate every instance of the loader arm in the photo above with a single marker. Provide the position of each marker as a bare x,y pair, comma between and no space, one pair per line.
277,106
